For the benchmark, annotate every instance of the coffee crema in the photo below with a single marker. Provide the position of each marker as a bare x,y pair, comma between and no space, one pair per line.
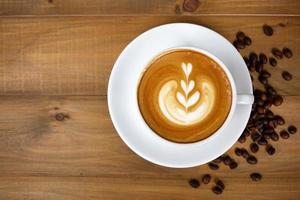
184,96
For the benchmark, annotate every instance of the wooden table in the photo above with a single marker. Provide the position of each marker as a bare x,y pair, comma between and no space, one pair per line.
56,137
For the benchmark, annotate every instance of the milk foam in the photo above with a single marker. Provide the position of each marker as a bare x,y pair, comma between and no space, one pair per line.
190,106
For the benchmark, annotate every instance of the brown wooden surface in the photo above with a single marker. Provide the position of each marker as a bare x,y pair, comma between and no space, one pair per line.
52,64
147,7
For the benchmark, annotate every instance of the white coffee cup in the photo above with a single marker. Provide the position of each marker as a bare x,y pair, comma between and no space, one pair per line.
134,131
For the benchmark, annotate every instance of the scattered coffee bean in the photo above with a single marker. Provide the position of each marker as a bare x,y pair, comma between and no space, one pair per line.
239,44
267,30
213,166
255,136
233,165
260,109
190,5
266,135
254,147
206,178
245,153
242,138
247,41
284,134
287,52
240,36
292,129
194,183
227,160
277,53
262,141
267,104
256,176
269,114
277,100
220,184
217,190
238,151
272,61
259,67
274,136
270,90
279,119
286,75
252,160
218,159
270,149
263,80
253,58
263,58
265,73
247,61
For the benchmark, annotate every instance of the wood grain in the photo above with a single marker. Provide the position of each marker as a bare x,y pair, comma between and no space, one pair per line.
146,7
74,55
82,157
33,142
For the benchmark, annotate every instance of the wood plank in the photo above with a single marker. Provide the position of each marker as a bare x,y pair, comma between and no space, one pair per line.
115,188
74,55
33,142
82,157
146,7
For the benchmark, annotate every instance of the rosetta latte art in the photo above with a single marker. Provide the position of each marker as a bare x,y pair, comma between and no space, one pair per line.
183,101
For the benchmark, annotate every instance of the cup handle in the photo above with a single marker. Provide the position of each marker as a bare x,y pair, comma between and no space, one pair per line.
245,99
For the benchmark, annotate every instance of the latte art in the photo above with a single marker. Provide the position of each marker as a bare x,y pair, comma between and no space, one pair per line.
184,96
182,106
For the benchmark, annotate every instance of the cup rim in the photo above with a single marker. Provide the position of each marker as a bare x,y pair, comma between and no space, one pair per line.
233,93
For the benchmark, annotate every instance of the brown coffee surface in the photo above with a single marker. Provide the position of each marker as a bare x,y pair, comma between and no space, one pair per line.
184,96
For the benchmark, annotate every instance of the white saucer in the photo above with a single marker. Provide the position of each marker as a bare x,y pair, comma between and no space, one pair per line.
122,100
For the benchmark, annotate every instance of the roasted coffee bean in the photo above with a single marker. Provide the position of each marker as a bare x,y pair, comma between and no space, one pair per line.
270,149
279,119
255,137
190,5
258,124
287,76
277,100
227,160
256,176
269,114
194,183
259,67
238,151
287,52
213,166
265,73
247,61
263,96
270,90
267,104
217,190
267,30
272,123
274,136
262,141
254,147
245,153
239,44
252,160
242,138
246,133
257,93
263,80
218,159
284,134
233,165
251,68
240,36
247,41
263,58
220,184
273,62
266,135
253,58
277,53
260,109
206,178
292,129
